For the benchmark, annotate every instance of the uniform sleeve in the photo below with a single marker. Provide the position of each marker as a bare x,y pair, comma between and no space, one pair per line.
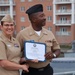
2,51
55,44
20,39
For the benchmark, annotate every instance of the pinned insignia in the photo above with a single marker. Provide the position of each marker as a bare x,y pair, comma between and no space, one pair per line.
9,45
16,45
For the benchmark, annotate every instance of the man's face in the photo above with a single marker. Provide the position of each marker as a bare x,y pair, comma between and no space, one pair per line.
40,19
8,28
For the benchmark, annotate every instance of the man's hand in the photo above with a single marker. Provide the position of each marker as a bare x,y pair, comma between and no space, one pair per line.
49,55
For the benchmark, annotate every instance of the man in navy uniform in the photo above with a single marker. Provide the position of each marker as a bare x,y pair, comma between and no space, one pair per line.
37,33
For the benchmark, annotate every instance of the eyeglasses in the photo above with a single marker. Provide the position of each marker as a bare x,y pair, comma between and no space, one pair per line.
7,25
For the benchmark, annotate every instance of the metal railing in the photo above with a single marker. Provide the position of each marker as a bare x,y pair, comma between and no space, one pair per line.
64,11
63,0
65,73
63,33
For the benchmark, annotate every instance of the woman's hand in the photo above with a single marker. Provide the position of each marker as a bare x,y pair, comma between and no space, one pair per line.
25,67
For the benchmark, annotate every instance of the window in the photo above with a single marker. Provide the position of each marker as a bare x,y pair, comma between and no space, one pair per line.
3,9
1,17
15,32
22,27
49,28
22,19
49,18
63,29
49,8
63,19
41,0
29,0
22,0
63,8
22,9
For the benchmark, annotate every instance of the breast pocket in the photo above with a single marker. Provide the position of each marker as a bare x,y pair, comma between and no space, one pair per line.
48,44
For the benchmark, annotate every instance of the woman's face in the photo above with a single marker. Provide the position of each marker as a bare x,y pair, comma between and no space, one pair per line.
8,28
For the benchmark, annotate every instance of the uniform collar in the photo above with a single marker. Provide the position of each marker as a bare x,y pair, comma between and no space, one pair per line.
32,32
5,38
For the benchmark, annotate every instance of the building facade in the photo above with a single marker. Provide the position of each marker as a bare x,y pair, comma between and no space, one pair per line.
64,20
59,14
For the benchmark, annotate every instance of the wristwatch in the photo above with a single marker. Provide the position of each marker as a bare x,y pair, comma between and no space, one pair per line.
54,55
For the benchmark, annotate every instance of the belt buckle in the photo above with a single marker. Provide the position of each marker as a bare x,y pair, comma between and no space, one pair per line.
41,69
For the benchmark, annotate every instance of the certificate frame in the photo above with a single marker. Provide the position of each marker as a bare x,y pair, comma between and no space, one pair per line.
34,50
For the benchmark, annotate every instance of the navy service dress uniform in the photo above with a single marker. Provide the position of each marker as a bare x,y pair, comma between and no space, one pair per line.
47,37
9,50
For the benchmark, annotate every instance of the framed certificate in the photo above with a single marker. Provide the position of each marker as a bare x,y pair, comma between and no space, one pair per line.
34,50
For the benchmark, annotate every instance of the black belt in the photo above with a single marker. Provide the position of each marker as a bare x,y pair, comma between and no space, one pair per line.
39,69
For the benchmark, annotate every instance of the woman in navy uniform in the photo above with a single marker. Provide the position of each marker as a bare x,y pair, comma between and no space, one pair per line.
10,51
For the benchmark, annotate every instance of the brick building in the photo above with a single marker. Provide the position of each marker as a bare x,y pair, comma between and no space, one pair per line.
59,13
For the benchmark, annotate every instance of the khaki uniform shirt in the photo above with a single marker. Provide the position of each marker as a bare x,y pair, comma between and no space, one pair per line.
9,50
46,37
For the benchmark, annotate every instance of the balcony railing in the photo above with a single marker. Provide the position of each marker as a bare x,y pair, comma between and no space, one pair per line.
63,11
6,12
65,73
6,3
63,22
63,33
63,1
